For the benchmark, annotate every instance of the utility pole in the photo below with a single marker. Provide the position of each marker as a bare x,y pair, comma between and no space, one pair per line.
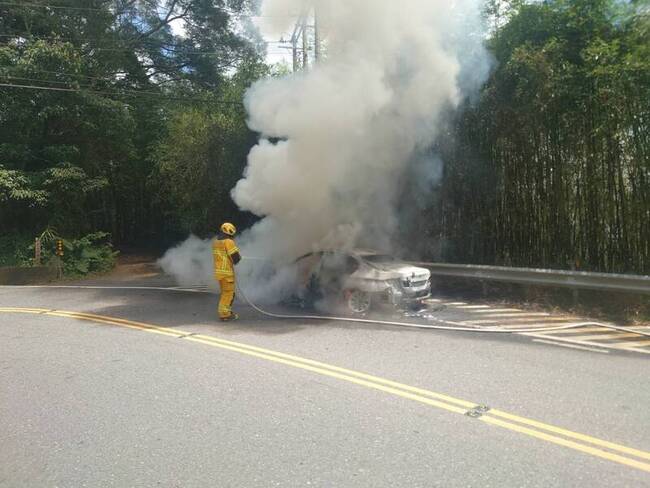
316,36
294,50
305,45
294,45
301,33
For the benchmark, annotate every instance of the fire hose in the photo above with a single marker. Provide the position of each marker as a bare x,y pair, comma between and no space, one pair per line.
441,324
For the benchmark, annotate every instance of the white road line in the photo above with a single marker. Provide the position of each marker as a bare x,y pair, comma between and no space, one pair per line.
518,314
479,322
583,343
540,320
456,303
572,346
563,339
498,310
540,324
470,307
545,319
520,321
577,330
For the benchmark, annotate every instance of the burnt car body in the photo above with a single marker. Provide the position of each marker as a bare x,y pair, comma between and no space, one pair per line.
361,279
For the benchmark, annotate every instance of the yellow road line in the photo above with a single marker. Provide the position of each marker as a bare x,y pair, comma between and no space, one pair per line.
376,379
333,374
370,384
567,443
571,434
420,395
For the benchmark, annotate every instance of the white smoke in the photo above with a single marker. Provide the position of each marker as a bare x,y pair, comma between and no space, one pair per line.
335,140
349,126
190,263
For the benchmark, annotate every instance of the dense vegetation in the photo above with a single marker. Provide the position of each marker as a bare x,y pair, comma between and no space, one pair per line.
132,129
133,123
551,167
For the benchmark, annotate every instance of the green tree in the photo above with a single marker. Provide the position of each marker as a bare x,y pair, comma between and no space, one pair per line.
203,155
551,167
87,91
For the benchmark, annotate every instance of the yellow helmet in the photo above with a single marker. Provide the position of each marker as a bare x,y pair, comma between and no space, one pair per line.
228,229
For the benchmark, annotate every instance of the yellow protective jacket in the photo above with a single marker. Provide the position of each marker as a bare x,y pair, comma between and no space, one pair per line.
222,251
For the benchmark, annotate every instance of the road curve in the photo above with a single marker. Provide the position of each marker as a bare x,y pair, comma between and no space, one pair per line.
92,398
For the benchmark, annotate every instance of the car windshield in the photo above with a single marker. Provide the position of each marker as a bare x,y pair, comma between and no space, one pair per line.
379,258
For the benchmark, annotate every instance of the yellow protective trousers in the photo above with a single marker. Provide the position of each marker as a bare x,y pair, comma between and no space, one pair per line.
227,286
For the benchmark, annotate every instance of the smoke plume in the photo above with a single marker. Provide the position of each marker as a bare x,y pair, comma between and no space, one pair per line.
346,130
336,139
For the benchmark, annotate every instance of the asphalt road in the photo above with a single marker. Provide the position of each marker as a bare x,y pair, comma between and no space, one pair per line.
92,401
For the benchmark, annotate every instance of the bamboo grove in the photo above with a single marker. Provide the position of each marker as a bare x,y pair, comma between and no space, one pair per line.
551,167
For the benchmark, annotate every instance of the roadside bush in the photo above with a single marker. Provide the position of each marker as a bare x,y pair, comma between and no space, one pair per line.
92,253
15,250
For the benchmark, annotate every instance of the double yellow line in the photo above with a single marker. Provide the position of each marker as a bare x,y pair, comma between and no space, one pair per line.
593,446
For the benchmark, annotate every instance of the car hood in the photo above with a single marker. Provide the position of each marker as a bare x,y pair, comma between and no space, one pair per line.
394,270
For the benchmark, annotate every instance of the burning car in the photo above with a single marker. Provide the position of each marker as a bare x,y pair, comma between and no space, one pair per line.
361,279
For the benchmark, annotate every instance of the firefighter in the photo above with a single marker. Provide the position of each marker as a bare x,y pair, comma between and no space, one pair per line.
226,256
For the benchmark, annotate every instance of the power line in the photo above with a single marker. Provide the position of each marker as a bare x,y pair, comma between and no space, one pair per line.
57,82
39,5
86,86
35,79
161,46
135,93
80,75
142,41
94,9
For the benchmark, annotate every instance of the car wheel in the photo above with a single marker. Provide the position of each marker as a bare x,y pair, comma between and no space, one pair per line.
357,301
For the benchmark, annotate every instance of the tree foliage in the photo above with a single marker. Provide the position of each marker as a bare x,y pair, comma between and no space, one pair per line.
130,121
101,88
551,167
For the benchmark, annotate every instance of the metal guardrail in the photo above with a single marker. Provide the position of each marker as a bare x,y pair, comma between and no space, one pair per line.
544,277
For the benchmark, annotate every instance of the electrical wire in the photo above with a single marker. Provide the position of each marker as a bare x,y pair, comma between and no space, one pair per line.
132,93
94,9
142,41
77,75
140,46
